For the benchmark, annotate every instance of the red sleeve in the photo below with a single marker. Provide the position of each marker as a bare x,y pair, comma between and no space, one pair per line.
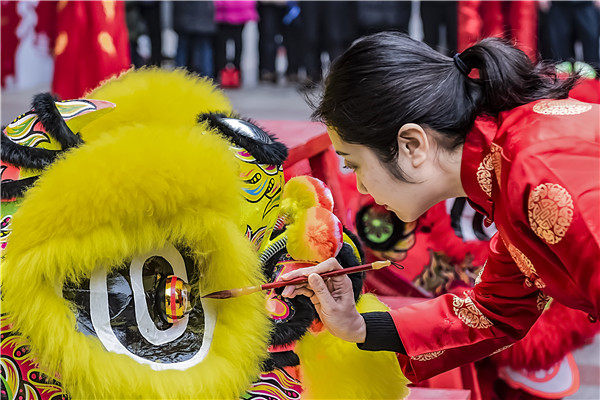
448,331
558,220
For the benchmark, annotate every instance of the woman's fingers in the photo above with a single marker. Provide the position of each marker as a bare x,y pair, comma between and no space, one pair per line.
327,265
302,291
321,291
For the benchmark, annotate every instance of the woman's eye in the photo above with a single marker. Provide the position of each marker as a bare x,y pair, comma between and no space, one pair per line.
349,166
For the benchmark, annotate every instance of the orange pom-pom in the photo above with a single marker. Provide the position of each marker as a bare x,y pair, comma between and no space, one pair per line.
303,192
316,235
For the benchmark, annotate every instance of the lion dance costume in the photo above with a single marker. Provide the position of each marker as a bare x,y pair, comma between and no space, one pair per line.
120,209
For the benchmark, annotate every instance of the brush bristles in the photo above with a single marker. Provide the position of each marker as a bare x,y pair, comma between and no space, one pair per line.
222,294
226,294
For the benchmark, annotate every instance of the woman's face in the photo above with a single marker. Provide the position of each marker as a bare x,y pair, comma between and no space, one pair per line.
407,200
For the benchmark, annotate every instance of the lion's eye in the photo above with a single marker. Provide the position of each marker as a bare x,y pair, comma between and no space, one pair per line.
146,309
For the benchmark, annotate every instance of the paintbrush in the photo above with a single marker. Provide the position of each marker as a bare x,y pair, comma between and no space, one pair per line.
226,294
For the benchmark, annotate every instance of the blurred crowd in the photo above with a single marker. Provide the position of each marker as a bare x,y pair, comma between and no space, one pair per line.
78,44
210,32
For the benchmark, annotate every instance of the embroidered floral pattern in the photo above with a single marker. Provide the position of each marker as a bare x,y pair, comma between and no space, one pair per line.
484,175
550,211
427,356
525,266
561,107
542,301
469,314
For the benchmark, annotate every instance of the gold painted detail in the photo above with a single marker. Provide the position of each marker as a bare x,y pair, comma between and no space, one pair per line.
478,278
469,314
561,107
501,349
542,301
484,175
550,211
526,267
427,356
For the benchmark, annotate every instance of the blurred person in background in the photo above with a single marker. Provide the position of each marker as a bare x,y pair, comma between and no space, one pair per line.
511,20
279,19
194,22
377,16
328,26
231,17
563,23
436,15
91,45
269,27
144,18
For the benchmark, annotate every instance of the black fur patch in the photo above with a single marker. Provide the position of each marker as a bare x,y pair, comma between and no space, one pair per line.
268,151
12,189
53,122
347,259
356,243
281,359
28,157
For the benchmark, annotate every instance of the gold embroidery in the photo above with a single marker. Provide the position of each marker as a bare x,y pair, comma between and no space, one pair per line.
561,107
501,349
542,301
484,176
427,356
550,211
497,160
478,278
525,266
469,314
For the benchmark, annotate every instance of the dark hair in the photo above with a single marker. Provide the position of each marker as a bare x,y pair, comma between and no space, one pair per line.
386,80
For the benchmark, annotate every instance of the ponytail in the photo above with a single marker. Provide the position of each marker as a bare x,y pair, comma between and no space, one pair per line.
508,78
386,80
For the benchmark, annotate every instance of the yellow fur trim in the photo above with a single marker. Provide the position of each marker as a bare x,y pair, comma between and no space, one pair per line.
155,96
139,185
335,369
355,251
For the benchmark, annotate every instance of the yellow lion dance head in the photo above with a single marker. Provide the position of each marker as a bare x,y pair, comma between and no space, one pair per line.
145,195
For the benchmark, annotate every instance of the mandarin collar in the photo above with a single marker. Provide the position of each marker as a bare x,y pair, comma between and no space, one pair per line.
477,145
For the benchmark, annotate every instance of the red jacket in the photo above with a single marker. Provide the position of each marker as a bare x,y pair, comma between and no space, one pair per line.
535,172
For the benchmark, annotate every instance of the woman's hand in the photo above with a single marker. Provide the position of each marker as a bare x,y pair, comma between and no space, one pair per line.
333,299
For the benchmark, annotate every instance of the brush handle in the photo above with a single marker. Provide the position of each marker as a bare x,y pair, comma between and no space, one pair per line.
329,274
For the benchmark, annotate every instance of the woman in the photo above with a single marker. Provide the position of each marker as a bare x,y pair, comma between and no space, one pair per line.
419,128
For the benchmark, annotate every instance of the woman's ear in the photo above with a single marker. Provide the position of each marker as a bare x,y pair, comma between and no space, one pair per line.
413,144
